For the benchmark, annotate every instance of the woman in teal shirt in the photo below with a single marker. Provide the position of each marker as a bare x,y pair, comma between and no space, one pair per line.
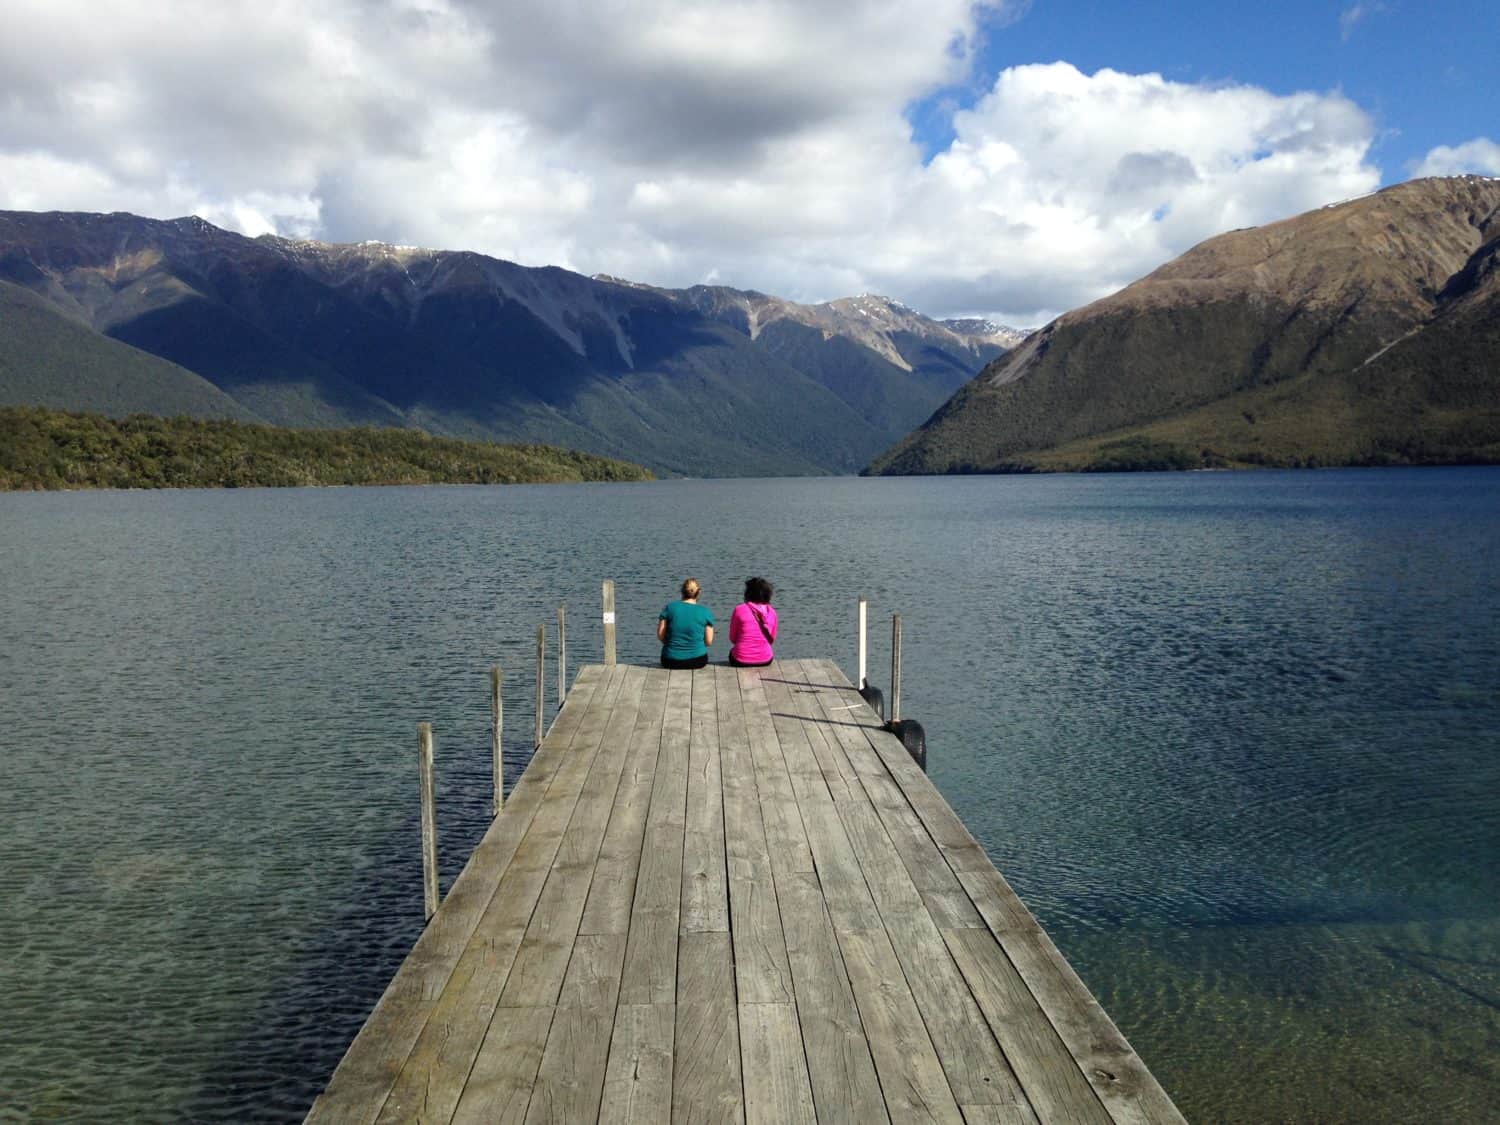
685,629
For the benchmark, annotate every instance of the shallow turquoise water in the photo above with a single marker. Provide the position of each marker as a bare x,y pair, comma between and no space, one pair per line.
1232,736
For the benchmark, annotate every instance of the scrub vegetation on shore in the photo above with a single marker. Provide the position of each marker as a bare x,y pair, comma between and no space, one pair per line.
54,449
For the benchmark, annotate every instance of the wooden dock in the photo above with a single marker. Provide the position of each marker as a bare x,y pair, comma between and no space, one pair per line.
730,895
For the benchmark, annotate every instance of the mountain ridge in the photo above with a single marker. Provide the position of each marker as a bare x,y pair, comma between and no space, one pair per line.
1324,301
307,333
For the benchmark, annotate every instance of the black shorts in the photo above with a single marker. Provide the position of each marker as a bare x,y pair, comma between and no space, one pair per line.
742,664
694,662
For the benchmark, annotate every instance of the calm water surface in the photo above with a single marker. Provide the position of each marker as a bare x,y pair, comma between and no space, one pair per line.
1234,738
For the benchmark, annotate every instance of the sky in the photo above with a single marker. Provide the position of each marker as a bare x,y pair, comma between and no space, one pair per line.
1003,158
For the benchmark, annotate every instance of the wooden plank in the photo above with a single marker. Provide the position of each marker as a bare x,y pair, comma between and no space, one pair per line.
838,1055
777,1089
803,694
431,1080
537,975
369,1068
638,1082
978,1073
998,1114
1102,1054
1054,1085
935,881
760,965
786,836
499,1086
843,881
867,963
971,1059
705,889
840,1067
794,733
953,840
1129,1091
613,888
571,1079
706,1083
905,1061
650,975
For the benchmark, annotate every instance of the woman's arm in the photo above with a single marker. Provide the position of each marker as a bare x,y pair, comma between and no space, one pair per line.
661,629
708,634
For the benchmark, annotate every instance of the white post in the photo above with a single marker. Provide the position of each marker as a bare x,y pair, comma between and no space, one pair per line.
541,678
609,621
895,668
562,655
429,819
863,680
497,720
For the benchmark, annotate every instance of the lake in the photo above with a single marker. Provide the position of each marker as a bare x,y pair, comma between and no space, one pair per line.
1234,738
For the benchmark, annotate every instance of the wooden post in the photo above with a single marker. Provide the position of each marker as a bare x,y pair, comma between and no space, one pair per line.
895,668
429,819
864,680
497,718
541,678
562,655
609,621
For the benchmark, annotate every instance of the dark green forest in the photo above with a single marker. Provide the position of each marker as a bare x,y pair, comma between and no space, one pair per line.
54,449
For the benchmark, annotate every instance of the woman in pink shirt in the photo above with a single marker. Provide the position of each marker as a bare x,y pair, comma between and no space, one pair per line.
752,627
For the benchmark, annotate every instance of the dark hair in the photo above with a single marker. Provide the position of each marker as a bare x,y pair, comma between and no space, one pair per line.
758,590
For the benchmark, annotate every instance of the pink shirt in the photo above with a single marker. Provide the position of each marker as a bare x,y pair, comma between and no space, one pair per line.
747,643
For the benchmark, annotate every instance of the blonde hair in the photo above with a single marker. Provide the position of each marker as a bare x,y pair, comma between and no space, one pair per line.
690,589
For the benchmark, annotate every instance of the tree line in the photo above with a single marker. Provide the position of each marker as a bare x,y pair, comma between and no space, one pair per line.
42,448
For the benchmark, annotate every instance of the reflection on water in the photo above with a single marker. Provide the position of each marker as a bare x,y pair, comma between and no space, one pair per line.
1232,737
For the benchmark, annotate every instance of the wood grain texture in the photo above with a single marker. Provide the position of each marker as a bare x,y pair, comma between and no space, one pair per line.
786,836
705,888
906,1063
706,1084
777,1089
924,862
638,1081
1118,1077
1021,1114
1113,1069
570,1080
650,975
843,881
431,1080
839,1063
537,975
1053,1083
499,1086
730,895
761,971
613,888
365,1075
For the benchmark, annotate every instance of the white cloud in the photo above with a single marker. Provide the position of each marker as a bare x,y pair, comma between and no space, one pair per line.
1355,14
765,144
1481,156
1092,180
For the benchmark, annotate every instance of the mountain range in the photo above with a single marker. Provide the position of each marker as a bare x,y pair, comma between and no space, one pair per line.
1366,332
120,314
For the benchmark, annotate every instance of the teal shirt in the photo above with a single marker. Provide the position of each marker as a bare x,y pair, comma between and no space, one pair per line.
685,623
